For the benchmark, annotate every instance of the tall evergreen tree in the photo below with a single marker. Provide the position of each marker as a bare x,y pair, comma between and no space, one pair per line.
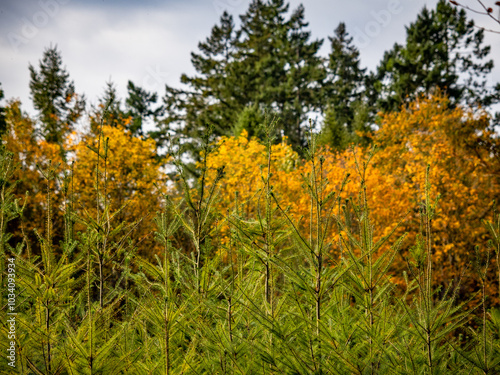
140,107
279,67
210,97
443,50
346,103
268,65
304,75
109,109
54,96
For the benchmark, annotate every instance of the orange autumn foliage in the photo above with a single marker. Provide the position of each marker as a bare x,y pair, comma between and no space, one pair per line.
30,151
430,132
427,132
459,146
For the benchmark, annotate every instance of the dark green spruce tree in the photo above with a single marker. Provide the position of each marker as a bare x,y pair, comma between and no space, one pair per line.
140,105
279,67
260,62
443,50
108,109
209,97
54,96
266,67
346,106
303,77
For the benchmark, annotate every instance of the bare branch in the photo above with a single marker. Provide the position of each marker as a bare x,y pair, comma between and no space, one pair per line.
484,11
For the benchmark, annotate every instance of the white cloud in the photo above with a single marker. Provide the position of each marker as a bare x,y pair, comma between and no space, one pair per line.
145,46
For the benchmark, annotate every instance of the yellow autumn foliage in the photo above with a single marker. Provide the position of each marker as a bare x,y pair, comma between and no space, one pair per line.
456,143
430,132
29,151
127,177
427,132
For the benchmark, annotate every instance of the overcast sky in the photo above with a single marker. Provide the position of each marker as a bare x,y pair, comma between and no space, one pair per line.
149,42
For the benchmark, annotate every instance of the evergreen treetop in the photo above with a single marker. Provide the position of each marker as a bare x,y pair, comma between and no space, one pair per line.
54,97
346,102
267,65
140,107
443,50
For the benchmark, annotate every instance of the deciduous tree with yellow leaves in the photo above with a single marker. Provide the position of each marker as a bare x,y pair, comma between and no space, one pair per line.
458,145
128,174
31,153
